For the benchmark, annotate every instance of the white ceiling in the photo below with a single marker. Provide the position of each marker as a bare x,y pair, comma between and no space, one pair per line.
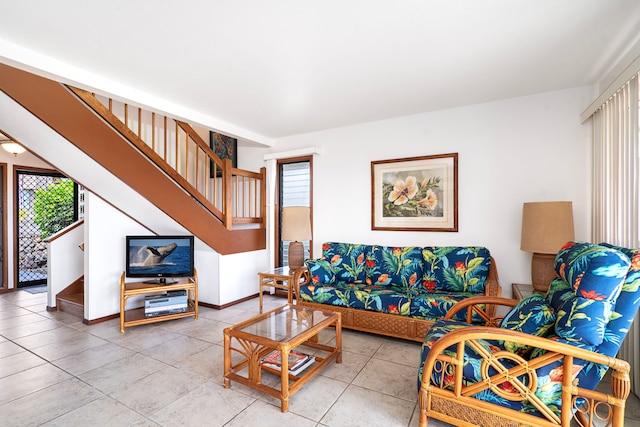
265,69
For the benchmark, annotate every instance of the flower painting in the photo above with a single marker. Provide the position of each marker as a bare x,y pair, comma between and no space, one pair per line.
415,193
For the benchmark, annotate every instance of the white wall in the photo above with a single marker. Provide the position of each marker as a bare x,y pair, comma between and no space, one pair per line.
239,274
65,261
104,255
513,151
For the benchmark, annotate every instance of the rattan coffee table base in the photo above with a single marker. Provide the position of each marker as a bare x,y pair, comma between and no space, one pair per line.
282,329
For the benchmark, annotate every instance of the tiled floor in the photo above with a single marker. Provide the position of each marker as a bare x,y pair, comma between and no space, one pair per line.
56,371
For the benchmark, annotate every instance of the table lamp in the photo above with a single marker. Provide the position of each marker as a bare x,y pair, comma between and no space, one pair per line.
296,226
546,227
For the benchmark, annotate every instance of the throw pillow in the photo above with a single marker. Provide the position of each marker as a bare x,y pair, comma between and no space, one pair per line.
320,271
533,316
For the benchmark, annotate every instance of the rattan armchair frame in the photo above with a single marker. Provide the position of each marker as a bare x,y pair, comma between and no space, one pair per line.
456,404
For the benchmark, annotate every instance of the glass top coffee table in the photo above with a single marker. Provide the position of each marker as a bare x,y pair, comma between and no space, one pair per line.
283,329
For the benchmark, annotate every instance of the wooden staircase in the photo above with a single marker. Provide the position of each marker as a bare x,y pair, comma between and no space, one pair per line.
160,158
71,299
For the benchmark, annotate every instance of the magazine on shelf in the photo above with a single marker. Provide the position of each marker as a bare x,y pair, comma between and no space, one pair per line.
298,362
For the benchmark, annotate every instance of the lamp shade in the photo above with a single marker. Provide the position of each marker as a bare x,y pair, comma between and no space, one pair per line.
296,223
546,226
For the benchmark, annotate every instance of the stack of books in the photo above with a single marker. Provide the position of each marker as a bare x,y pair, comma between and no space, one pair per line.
298,362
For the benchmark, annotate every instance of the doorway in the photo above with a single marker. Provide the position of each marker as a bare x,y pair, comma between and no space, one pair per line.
46,202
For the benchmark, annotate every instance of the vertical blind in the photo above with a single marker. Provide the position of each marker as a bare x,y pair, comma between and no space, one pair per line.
615,186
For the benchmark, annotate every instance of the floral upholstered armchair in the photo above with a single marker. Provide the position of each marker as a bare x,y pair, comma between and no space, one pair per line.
539,365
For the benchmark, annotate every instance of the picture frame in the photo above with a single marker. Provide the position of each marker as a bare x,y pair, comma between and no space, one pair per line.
415,193
225,147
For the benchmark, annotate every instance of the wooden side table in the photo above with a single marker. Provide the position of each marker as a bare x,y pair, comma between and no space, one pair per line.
520,291
278,278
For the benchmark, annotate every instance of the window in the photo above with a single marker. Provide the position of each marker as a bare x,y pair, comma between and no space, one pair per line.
294,189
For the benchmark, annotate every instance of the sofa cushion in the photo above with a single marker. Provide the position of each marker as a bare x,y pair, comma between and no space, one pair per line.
455,269
347,260
532,315
389,265
595,274
320,271
385,299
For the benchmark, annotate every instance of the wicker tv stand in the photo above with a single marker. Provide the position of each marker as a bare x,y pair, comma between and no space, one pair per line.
136,316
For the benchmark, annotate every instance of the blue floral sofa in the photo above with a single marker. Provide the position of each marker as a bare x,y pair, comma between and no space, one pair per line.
394,291
543,362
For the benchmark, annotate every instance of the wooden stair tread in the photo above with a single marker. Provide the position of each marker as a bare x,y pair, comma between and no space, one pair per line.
77,298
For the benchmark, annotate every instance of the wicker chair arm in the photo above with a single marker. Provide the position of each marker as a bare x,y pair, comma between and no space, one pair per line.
460,389
483,306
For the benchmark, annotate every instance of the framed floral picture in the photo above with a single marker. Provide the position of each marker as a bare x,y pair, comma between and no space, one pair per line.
415,194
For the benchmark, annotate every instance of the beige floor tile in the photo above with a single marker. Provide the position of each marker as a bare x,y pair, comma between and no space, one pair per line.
11,311
7,348
361,407
359,342
144,337
122,373
60,316
208,363
305,401
76,344
399,351
196,408
20,321
30,381
47,337
19,362
352,364
229,315
207,330
32,328
263,414
47,404
103,411
154,392
389,378
176,349
87,360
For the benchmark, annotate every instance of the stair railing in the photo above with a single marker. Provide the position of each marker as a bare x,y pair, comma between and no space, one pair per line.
232,195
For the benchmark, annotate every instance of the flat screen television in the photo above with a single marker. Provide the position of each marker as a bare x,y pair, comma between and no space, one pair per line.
160,259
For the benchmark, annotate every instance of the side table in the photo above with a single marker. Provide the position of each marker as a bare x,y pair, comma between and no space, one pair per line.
519,290
278,278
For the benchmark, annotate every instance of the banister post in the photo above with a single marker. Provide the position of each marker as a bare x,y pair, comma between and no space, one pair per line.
228,192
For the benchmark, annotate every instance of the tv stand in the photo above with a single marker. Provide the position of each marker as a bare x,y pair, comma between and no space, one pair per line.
161,281
135,316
